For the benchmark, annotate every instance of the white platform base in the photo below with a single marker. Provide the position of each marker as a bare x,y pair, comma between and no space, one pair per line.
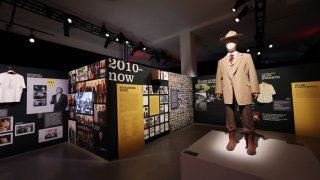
274,160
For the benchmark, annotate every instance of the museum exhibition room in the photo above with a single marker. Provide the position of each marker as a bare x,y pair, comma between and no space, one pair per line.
153,90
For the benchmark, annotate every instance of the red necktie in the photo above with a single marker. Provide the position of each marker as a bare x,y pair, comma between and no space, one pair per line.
231,58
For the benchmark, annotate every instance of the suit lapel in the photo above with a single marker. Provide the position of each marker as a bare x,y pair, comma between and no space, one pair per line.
238,61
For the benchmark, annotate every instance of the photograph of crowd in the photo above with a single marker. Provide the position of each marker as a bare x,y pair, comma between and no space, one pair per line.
6,124
39,95
50,134
6,139
84,103
100,114
23,129
85,137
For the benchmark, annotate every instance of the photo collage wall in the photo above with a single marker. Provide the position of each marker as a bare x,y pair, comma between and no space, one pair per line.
87,106
156,122
180,101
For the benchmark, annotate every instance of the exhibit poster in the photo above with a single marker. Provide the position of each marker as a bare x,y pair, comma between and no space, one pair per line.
50,134
43,95
306,103
154,105
24,129
130,118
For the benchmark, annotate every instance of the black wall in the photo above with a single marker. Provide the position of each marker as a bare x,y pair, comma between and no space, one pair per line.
18,111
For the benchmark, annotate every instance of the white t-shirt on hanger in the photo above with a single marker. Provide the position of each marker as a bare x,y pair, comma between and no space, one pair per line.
11,86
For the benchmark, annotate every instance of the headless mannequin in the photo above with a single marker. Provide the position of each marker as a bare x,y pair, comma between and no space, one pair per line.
231,45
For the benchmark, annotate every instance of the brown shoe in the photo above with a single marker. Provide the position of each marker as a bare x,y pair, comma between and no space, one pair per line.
232,141
250,139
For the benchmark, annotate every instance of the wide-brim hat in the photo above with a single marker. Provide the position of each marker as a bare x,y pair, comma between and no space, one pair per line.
231,35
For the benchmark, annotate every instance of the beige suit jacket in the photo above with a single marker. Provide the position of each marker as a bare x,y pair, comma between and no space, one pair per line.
242,78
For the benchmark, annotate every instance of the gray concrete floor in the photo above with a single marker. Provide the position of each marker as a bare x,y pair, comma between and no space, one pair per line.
158,160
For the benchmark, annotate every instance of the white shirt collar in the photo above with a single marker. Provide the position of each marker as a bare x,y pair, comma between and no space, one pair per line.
234,53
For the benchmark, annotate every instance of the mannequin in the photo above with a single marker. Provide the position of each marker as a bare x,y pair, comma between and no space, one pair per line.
236,80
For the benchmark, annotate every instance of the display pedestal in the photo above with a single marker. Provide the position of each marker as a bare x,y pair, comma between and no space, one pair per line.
208,159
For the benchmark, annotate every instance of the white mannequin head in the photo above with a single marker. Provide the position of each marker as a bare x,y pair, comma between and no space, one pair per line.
231,44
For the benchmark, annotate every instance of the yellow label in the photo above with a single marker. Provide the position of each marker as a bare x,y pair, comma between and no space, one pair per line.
51,82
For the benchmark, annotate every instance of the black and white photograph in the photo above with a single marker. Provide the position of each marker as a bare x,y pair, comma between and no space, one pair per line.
161,91
50,134
165,75
151,121
201,101
166,117
162,118
146,111
150,89
145,100
164,99
161,128
23,129
151,132
6,124
157,130
166,108
100,114
72,131
156,120
162,108
146,133
165,90
40,95
145,89
6,139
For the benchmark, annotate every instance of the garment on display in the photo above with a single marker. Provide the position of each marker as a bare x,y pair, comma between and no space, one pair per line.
237,67
266,93
11,86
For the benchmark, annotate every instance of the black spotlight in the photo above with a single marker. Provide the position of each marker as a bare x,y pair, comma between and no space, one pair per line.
107,43
237,5
244,12
66,27
120,38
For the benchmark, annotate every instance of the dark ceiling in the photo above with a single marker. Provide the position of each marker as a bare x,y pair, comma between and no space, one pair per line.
17,50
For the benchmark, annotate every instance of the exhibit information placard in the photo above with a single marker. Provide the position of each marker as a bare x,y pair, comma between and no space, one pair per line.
130,118
306,103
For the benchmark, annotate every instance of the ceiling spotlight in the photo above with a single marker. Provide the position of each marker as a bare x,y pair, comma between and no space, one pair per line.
107,34
69,20
144,48
243,12
32,38
117,39
237,5
270,45
104,31
127,42
258,53
248,50
120,38
66,28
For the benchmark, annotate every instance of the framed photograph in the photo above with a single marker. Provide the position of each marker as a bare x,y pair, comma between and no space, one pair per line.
100,116
166,108
161,128
81,87
6,124
50,134
165,90
162,118
145,89
166,117
23,129
157,130
146,123
166,126
6,139
82,74
71,99
146,133
145,100
151,121
161,108
150,89
103,63
39,95
152,132
156,120
146,111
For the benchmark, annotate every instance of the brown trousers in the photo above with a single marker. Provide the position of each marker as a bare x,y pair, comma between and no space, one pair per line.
245,116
